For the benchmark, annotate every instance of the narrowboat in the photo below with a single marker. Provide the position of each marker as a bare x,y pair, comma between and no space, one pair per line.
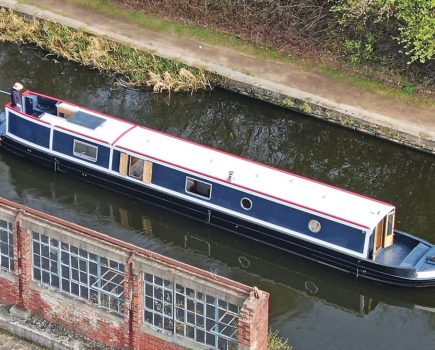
331,226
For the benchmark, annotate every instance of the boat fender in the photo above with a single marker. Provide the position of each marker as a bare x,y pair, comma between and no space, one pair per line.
244,262
311,288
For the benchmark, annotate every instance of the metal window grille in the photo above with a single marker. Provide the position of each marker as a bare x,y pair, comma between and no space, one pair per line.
6,247
79,273
190,314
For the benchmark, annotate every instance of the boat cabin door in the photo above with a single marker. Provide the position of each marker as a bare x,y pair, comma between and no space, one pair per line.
384,233
389,229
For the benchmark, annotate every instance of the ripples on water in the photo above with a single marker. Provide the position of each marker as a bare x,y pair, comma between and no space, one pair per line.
311,305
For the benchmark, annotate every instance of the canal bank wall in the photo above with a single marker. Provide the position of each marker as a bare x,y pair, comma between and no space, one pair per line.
273,82
114,293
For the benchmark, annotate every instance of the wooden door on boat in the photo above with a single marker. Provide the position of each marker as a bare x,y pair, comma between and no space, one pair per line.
384,233
389,230
379,235
136,167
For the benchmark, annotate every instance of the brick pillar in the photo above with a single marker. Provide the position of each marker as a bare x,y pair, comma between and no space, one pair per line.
254,322
134,312
22,261
9,289
127,300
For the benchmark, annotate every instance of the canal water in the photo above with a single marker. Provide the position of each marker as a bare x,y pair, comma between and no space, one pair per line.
310,305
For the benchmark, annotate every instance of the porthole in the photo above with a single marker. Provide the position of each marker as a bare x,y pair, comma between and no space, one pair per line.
314,226
246,203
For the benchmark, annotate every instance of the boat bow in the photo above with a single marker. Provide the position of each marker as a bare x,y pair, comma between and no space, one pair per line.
2,124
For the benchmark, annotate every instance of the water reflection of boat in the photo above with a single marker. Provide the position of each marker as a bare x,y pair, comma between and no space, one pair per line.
289,279
336,228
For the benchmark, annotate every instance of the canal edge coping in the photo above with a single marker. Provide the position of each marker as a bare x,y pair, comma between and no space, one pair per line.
351,117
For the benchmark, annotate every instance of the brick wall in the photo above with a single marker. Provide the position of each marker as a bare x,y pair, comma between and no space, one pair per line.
79,317
8,290
99,316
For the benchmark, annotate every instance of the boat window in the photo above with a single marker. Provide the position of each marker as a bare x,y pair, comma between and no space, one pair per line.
198,188
135,167
314,226
246,203
85,150
390,226
371,244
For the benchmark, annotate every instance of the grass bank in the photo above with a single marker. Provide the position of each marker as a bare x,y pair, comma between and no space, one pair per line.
208,35
135,67
374,78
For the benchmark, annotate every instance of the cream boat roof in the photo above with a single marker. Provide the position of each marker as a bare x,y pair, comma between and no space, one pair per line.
281,185
250,175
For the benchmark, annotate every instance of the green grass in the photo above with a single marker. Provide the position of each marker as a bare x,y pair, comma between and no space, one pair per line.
211,36
407,93
276,342
215,37
137,67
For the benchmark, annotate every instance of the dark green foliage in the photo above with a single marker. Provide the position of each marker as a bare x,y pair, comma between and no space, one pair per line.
282,24
385,28
398,34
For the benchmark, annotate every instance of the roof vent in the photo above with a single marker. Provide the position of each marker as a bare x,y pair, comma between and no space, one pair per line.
231,176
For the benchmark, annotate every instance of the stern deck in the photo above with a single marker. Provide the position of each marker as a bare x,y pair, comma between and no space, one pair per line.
394,254
410,254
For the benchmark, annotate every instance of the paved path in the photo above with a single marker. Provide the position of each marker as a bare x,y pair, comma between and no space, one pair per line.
277,77
10,342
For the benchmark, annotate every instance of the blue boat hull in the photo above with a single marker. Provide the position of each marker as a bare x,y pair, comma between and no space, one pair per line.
359,267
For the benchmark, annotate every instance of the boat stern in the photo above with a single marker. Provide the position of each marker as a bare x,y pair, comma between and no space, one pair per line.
425,267
410,260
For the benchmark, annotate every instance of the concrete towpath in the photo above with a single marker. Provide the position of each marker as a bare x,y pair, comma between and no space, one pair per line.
281,83
11,342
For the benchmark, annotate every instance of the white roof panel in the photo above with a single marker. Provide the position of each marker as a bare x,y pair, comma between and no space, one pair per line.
268,181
